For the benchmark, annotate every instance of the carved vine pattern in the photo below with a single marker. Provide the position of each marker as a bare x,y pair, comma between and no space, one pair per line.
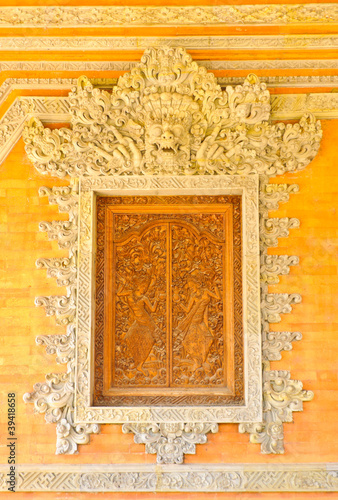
169,116
137,264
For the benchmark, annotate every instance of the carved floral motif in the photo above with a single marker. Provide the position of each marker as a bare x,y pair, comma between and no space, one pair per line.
185,283
172,440
168,115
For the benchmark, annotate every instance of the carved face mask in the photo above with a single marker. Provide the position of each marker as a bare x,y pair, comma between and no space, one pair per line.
167,144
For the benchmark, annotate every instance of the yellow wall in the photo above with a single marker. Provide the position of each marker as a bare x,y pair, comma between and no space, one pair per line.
313,435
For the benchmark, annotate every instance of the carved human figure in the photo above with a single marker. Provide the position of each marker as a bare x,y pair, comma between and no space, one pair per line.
142,334
197,338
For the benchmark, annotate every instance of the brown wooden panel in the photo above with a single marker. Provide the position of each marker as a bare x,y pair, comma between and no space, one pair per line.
168,326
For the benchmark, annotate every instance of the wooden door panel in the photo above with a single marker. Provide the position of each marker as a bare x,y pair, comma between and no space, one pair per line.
170,268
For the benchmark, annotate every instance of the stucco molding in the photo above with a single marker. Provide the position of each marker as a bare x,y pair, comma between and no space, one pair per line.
234,42
249,65
111,136
312,477
107,17
11,84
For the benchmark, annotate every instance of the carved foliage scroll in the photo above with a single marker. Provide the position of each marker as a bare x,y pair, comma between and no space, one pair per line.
169,266
169,116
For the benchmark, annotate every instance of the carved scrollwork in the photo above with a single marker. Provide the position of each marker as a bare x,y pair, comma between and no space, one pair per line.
172,440
168,115
61,345
276,342
282,396
64,269
275,304
55,398
272,229
60,306
112,15
272,266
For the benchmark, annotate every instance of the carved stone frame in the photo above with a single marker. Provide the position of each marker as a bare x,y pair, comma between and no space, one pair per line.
247,187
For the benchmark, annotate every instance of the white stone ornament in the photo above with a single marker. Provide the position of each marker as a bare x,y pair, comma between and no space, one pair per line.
169,116
167,124
171,441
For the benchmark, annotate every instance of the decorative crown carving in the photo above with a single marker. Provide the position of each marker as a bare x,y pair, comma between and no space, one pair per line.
168,115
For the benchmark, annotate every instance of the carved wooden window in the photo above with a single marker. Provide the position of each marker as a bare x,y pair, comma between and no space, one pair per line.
168,327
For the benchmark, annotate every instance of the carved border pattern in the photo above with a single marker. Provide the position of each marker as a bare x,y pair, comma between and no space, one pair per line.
188,478
188,423
235,42
166,431
251,65
101,16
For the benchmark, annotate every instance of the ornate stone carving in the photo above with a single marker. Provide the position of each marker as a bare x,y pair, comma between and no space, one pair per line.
56,109
64,269
55,397
172,440
168,116
274,304
162,185
278,477
104,16
61,345
282,396
171,124
33,83
276,342
247,65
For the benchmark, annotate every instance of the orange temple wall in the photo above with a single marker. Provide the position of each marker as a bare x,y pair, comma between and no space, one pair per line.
312,437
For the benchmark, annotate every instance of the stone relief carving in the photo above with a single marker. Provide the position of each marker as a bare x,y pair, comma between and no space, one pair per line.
196,185
137,130
55,397
190,478
170,124
281,395
56,109
102,16
249,65
171,441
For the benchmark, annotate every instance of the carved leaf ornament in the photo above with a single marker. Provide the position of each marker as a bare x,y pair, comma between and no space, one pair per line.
168,116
